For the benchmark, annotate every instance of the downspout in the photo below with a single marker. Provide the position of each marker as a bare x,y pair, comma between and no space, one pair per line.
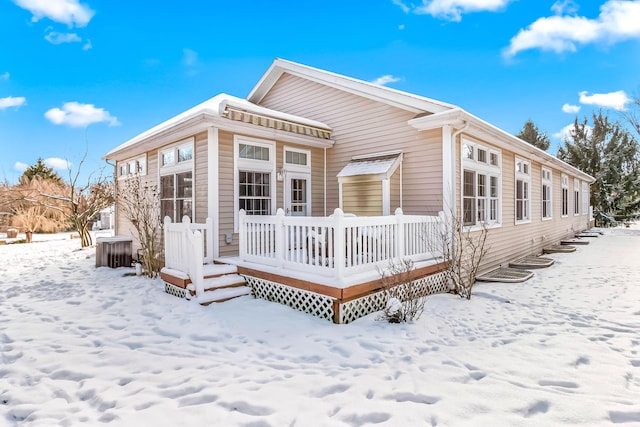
454,199
325,182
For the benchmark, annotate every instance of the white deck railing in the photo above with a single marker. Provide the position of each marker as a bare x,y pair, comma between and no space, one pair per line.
187,246
338,245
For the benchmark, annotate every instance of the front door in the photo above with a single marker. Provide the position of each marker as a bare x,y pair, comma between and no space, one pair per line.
297,194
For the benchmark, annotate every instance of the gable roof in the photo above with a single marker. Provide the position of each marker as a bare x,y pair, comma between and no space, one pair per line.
404,100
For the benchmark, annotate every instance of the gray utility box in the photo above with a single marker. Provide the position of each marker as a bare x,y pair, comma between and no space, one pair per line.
113,252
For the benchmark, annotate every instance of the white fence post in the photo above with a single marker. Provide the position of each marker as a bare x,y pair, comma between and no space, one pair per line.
242,236
208,236
400,233
339,242
279,237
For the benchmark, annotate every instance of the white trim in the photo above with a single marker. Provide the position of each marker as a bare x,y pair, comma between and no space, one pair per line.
523,175
585,197
448,173
488,170
576,197
564,185
548,182
292,167
213,184
130,164
253,166
287,191
176,166
386,196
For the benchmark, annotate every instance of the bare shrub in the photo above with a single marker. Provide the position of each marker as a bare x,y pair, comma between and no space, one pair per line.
405,303
139,202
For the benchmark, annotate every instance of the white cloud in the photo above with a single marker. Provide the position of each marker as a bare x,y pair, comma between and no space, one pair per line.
618,20
87,45
12,101
565,132
615,100
571,109
20,167
452,10
58,38
386,79
57,163
401,27
69,12
5,76
190,57
562,7
75,114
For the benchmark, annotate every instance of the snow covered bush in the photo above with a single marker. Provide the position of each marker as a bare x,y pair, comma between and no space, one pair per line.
405,303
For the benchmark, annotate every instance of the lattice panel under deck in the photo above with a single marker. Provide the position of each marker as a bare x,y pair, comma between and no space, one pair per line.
305,301
429,285
174,290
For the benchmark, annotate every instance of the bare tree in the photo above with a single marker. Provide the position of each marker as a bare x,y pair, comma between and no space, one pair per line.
463,248
140,204
83,201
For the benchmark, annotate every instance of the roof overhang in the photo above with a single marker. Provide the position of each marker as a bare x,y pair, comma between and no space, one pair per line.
231,114
474,126
377,166
389,96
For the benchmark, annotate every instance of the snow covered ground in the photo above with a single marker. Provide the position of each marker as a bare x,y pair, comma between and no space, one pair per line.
80,345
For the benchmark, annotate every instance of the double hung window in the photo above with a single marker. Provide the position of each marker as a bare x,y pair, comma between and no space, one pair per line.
523,191
547,193
480,184
176,180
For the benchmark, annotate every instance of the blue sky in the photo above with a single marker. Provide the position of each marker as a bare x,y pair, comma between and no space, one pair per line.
80,77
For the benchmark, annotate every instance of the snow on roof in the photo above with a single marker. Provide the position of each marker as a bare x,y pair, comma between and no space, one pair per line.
382,165
215,107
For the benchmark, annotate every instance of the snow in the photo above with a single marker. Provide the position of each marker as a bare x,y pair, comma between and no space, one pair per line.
80,345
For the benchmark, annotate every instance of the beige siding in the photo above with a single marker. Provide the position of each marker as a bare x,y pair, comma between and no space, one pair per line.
395,191
200,182
510,241
363,126
362,198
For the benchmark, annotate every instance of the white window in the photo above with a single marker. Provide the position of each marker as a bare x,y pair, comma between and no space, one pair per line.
523,190
254,176
576,197
176,180
547,194
585,198
132,167
565,195
480,184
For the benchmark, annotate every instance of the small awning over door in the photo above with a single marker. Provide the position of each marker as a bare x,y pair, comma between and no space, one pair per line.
377,166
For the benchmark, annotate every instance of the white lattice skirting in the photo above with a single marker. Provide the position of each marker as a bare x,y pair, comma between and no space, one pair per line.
322,305
301,300
360,307
174,290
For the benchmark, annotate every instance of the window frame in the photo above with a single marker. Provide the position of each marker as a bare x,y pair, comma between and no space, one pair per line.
586,199
564,179
546,178
522,174
485,204
241,164
174,169
137,164
576,197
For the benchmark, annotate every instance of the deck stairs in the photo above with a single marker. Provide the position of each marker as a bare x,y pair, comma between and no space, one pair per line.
221,283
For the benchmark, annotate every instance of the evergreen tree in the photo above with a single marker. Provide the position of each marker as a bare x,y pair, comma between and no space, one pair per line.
40,169
533,136
611,155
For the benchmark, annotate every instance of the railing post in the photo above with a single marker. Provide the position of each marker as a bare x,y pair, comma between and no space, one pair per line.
280,237
242,234
399,233
195,270
339,242
209,239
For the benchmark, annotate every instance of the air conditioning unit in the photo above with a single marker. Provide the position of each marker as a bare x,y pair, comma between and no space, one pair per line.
113,252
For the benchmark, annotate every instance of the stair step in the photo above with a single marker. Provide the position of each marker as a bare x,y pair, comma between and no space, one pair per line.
216,270
575,241
226,281
225,294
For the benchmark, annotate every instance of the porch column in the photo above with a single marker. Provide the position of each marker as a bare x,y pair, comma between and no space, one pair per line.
448,172
213,206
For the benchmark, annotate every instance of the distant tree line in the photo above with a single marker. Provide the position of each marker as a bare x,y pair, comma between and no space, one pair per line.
608,151
43,202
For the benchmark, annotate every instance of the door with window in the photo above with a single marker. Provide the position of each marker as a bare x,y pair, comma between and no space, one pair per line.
297,194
